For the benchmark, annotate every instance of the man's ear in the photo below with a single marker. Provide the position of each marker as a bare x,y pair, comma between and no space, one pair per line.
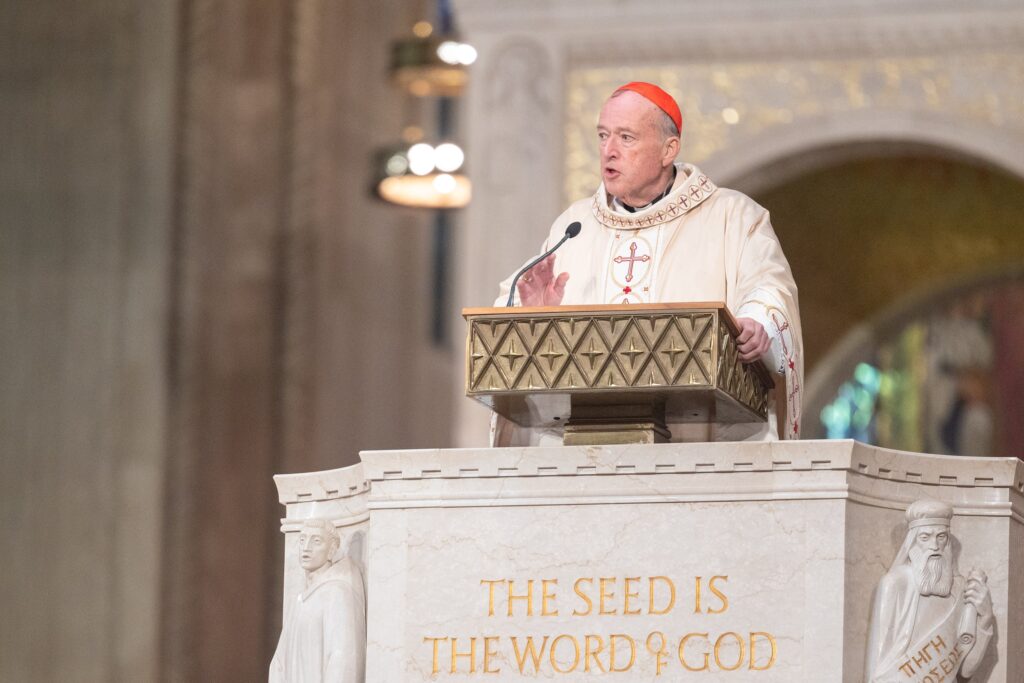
671,151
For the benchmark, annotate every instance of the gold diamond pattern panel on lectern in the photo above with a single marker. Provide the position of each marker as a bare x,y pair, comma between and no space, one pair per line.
628,350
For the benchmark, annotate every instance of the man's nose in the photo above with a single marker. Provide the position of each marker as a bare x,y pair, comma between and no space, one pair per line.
609,150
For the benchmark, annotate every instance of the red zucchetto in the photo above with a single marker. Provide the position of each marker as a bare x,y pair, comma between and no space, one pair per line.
659,97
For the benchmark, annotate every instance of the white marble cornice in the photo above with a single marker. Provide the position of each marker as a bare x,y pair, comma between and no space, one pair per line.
805,470
609,32
560,15
694,458
344,482
339,495
800,38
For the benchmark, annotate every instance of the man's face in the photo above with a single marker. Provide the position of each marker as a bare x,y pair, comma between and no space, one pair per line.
315,548
635,154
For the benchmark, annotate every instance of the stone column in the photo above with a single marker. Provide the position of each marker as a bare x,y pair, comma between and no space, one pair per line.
514,143
87,133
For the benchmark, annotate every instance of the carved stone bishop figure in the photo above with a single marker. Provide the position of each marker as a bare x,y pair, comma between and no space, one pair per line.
928,622
324,635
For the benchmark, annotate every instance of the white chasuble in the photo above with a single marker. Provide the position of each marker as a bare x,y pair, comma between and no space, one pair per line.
698,243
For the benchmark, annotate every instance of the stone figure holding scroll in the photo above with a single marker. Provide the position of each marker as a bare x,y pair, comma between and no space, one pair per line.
928,622
324,635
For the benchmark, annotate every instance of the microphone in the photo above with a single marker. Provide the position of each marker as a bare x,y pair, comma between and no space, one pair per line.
570,232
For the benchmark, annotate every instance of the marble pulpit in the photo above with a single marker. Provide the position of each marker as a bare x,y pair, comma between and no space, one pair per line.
699,561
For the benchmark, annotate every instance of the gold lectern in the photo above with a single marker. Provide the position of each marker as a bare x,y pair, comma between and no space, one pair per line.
613,374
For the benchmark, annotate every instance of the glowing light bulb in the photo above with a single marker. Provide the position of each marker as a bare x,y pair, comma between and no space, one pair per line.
448,51
448,157
421,158
466,54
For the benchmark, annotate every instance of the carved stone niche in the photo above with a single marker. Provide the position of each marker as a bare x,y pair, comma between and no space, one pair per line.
323,637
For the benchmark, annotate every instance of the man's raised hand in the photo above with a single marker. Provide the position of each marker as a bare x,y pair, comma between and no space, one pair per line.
539,287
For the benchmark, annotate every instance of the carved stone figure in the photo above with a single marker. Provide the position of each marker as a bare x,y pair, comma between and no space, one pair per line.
324,635
928,622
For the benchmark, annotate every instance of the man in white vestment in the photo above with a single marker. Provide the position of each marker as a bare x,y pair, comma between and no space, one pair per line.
324,635
661,231
926,616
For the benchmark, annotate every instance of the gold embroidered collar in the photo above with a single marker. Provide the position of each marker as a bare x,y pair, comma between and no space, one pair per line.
692,188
